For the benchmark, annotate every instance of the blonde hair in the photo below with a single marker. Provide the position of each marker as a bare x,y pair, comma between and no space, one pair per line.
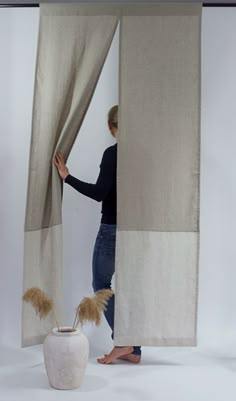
113,116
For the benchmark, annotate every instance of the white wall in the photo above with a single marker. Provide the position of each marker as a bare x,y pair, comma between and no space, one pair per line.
217,298
18,38
217,295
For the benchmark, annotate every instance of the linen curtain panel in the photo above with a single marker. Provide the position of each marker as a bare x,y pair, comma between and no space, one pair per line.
158,177
158,161
72,48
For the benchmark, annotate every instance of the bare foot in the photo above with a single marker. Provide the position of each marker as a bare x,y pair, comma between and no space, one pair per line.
131,358
116,353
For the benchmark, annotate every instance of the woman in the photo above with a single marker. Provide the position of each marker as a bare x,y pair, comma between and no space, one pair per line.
104,250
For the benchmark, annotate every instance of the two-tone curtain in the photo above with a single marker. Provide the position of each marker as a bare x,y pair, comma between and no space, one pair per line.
158,176
72,48
158,161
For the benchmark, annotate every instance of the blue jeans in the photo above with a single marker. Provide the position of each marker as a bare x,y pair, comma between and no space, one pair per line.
104,268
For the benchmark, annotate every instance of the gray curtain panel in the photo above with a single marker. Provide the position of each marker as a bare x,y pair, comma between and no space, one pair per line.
158,176
72,46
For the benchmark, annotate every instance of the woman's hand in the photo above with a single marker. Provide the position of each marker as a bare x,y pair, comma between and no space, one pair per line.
59,162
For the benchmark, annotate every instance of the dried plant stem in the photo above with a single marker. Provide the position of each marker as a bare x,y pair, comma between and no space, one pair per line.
77,319
54,314
75,323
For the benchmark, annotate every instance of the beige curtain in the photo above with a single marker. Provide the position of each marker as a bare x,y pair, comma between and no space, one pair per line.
72,47
158,161
158,176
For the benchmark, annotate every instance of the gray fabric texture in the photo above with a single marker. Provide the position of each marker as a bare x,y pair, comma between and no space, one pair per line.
71,54
158,159
119,9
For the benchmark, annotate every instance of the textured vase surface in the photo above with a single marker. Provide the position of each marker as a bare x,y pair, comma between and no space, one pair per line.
66,357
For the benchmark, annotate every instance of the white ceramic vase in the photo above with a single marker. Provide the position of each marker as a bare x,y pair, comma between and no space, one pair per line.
66,357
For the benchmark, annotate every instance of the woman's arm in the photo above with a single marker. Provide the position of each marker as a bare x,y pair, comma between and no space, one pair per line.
102,187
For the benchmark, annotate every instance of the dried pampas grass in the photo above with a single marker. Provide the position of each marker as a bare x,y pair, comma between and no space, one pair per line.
101,298
42,304
90,309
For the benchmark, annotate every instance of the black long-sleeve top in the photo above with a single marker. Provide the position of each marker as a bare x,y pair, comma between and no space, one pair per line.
105,188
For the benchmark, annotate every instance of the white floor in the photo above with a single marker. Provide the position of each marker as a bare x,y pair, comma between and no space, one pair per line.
165,374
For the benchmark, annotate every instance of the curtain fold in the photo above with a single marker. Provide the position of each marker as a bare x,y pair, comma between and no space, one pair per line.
158,177
71,53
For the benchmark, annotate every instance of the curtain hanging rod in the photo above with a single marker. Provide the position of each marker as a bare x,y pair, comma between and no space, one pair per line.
22,5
